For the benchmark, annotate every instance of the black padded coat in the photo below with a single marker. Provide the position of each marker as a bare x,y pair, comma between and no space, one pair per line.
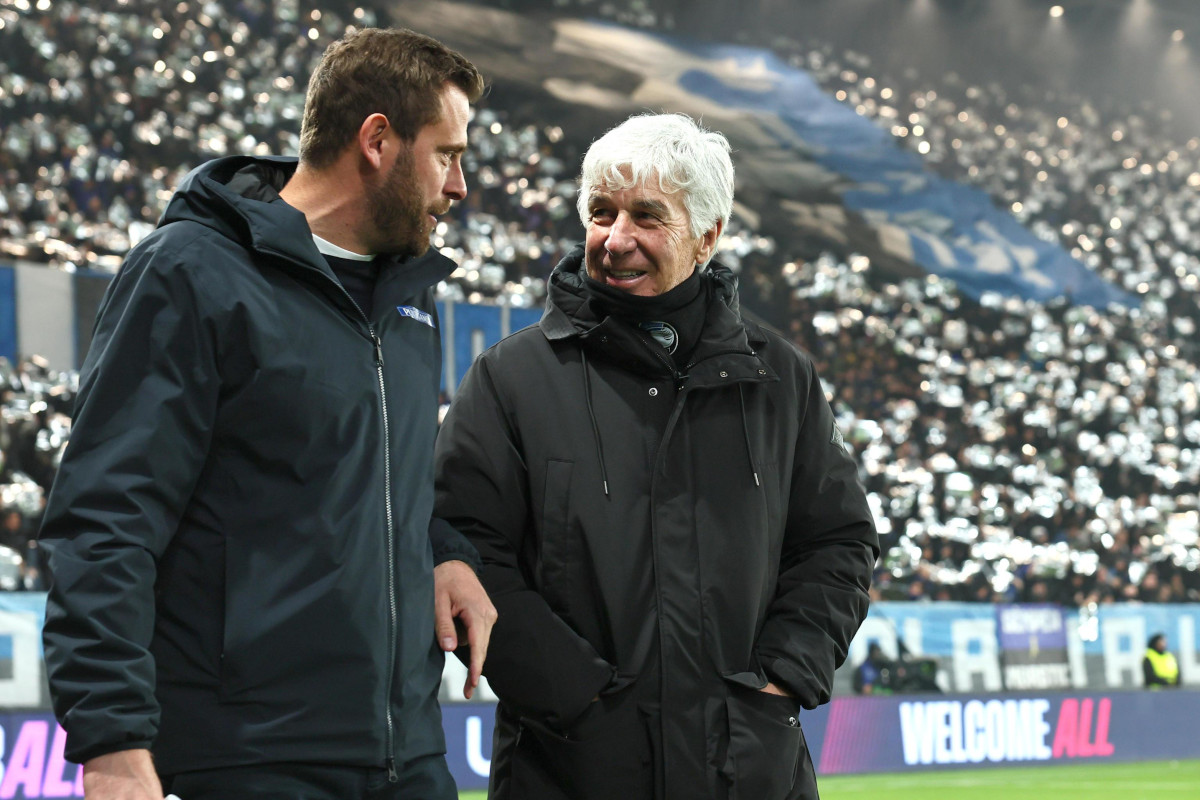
659,543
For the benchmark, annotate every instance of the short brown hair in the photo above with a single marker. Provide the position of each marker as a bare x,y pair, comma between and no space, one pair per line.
391,71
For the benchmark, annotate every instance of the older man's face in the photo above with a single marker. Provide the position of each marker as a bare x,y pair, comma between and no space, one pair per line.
639,239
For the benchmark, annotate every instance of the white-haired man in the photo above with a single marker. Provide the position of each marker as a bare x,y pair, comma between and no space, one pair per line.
671,530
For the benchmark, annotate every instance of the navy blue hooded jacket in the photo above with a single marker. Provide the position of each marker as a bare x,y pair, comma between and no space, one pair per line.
239,540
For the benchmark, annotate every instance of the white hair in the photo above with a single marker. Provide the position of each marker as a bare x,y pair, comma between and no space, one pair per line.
669,148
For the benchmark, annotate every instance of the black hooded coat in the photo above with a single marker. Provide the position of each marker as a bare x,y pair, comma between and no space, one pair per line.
659,543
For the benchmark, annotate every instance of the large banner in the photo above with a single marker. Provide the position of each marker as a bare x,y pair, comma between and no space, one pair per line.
944,227
898,734
33,763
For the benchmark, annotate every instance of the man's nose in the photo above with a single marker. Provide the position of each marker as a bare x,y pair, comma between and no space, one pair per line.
620,236
456,182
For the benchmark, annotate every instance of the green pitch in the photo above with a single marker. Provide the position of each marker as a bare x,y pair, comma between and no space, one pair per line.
1165,780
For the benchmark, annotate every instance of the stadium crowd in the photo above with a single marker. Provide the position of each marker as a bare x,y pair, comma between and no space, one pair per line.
1108,184
1036,452
1013,450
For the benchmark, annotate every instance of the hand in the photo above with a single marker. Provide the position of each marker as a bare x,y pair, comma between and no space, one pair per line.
458,595
771,688
124,775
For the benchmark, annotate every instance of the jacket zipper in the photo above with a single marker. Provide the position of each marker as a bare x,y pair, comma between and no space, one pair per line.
678,376
657,559
391,558
390,760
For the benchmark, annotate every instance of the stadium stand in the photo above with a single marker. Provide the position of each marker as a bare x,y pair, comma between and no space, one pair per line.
1015,451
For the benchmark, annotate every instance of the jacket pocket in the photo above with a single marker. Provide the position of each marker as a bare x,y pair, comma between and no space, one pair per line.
246,665
606,755
765,744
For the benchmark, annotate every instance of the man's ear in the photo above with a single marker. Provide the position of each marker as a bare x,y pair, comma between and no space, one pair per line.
708,243
373,138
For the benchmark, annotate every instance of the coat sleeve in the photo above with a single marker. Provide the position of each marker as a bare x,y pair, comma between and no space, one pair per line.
537,665
142,426
828,555
450,545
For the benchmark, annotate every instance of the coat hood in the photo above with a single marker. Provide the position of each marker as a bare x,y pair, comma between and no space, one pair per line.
238,197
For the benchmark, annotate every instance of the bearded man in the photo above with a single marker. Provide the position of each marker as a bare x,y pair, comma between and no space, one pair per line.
240,539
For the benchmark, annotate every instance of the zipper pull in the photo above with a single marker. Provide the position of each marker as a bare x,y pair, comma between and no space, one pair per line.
378,349
393,777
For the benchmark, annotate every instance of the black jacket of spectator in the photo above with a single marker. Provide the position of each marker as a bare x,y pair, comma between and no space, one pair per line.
666,542
239,536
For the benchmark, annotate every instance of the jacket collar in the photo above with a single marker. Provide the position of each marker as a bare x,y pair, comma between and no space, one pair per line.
727,351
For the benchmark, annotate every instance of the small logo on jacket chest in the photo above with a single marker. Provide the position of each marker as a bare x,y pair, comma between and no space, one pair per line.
412,312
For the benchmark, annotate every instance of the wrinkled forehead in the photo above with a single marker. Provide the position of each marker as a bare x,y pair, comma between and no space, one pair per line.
618,177
621,184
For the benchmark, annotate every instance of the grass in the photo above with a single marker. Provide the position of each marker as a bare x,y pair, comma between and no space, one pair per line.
1166,780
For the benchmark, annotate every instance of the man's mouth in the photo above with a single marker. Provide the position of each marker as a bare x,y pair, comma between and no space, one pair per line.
623,278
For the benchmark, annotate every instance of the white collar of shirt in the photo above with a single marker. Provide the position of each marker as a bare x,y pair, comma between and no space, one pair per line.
331,249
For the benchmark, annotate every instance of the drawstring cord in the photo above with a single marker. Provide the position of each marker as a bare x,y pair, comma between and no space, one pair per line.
746,434
587,393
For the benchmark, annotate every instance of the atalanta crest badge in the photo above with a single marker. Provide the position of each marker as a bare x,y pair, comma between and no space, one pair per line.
662,333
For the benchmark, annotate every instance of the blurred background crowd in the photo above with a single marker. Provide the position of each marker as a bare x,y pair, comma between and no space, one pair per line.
1013,450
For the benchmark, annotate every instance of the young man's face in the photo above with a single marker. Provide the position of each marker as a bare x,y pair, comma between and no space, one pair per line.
424,179
639,239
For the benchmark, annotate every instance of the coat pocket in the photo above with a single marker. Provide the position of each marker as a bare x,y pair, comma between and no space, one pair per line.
606,755
765,745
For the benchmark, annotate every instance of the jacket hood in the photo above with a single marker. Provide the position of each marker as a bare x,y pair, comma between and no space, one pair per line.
238,197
